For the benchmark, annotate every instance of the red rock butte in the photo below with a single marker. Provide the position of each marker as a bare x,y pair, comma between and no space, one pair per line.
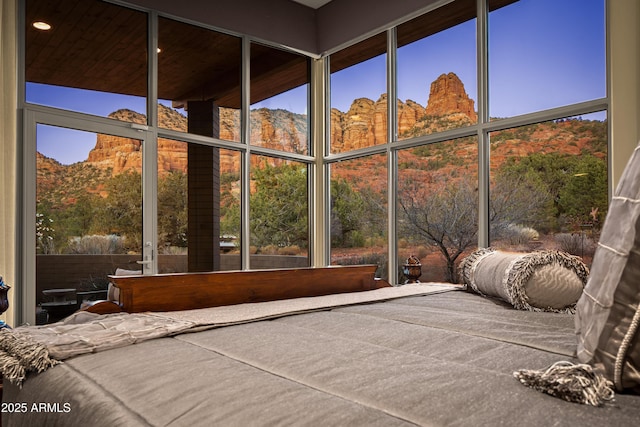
364,125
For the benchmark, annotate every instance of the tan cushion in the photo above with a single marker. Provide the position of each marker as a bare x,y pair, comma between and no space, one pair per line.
113,293
540,281
607,314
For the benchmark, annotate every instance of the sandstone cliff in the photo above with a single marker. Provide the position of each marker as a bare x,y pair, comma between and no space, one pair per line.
364,125
448,97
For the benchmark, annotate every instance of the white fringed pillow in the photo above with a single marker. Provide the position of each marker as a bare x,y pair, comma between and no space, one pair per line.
538,281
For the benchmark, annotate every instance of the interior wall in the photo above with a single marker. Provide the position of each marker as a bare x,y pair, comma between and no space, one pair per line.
279,21
291,24
8,146
342,21
624,78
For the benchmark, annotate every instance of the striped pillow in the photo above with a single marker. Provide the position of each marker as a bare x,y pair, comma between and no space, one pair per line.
537,281
608,313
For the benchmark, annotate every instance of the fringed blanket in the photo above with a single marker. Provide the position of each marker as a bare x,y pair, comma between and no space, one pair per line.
37,348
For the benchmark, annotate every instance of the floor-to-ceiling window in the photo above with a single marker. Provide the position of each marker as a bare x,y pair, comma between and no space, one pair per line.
199,107
548,175
88,91
498,135
358,218
358,122
437,104
155,145
438,205
279,87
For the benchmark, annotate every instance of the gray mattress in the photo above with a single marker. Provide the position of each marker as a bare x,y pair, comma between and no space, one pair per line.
441,359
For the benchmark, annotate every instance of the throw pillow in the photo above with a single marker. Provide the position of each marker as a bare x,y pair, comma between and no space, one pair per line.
113,293
608,313
539,281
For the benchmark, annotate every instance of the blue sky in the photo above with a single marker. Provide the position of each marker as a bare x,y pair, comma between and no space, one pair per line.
542,54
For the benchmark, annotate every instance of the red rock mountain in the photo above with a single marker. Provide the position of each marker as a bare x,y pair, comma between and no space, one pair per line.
364,125
448,97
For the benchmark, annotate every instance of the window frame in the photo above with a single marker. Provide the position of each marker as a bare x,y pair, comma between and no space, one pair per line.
481,129
319,158
33,114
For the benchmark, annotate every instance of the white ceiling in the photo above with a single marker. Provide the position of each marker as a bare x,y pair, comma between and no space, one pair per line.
315,4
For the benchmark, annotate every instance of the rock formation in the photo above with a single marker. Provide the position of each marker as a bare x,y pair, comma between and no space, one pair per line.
364,125
448,97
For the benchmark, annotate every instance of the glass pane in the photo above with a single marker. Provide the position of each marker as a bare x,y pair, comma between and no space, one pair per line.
545,54
436,75
198,230
549,185
197,64
358,96
279,213
359,213
88,216
279,99
438,207
92,59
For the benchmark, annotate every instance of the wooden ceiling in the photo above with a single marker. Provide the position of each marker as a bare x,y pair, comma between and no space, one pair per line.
103,47
440,19
91,45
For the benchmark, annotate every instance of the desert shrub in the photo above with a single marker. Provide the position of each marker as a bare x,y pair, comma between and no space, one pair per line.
570,242
173,250
375,241
576,243
517,234
354,239
269,250
97,244
289,250
421,252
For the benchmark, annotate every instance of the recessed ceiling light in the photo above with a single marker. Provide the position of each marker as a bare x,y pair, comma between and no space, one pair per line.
41,25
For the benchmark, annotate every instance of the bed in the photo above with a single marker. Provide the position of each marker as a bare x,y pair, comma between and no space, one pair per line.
441,356
335,347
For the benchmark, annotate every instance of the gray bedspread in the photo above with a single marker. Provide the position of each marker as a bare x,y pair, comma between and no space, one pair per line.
441,359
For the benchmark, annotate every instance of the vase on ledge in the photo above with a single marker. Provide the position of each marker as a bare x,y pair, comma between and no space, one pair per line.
4,300
412,270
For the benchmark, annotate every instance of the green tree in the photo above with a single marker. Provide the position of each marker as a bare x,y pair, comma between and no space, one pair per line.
278,206
347,213
172,209
551,169
584,197
230,204
519,197
121,210
79,218
574,185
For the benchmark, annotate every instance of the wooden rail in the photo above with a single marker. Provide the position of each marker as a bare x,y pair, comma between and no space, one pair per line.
187,291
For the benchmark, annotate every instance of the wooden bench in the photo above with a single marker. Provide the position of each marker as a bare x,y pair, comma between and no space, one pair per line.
187,291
